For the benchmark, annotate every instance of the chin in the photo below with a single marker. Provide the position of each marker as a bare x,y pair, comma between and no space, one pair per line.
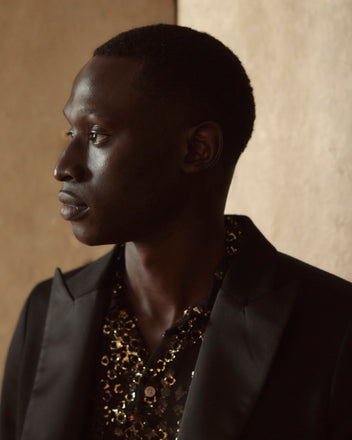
87,237
97,237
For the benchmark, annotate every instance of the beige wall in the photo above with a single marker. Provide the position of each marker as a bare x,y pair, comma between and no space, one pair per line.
43,44
295,179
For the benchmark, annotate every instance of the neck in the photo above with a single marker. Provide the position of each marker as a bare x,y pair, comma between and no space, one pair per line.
171,272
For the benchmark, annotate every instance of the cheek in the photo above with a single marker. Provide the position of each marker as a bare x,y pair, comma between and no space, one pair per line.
108,170
135,176
97,162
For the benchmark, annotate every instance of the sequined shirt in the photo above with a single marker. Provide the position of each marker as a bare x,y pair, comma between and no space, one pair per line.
141,395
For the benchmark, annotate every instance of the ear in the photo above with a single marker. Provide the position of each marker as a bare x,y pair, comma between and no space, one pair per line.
204,147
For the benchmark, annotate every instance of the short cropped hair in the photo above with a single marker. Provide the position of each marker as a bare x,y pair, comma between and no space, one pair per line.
193,68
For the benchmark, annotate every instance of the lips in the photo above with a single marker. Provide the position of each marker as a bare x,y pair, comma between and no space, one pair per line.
72,207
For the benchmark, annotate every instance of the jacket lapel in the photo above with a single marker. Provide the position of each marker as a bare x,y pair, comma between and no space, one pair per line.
76,308
245,329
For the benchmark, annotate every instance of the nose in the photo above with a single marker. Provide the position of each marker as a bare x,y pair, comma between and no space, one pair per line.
71,164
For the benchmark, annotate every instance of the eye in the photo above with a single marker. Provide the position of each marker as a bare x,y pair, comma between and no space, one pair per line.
97,138
70,133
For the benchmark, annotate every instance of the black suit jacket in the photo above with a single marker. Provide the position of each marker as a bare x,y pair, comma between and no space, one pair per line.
275,363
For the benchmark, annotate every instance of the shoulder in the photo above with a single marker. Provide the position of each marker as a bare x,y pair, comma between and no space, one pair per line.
322,314
311,277
324,301
321,296
263,259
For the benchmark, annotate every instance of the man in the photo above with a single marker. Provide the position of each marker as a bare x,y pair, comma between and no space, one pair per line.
194,327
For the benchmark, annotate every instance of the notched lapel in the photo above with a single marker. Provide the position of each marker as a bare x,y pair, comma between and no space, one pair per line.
57,403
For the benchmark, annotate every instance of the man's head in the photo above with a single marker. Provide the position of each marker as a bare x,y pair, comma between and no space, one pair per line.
193,72
149,114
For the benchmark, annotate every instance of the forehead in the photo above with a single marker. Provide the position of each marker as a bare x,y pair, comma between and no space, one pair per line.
104,86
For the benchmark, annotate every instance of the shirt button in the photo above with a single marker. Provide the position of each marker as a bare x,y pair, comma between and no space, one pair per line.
149,391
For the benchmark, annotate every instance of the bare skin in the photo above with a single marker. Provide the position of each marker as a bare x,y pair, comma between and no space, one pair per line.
165,278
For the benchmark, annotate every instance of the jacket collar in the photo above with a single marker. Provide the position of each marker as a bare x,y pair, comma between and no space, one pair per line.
251,271
93,276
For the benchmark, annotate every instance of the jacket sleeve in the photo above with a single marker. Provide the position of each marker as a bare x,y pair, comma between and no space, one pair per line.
21,363
340,420
9,407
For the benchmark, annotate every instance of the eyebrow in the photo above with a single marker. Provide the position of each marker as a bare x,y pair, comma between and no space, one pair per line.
89,111
85,111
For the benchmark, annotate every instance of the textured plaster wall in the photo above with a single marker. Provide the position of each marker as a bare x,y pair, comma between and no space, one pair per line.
295,179
43,44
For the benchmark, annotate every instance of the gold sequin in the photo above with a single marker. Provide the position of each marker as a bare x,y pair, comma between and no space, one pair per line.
104,360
